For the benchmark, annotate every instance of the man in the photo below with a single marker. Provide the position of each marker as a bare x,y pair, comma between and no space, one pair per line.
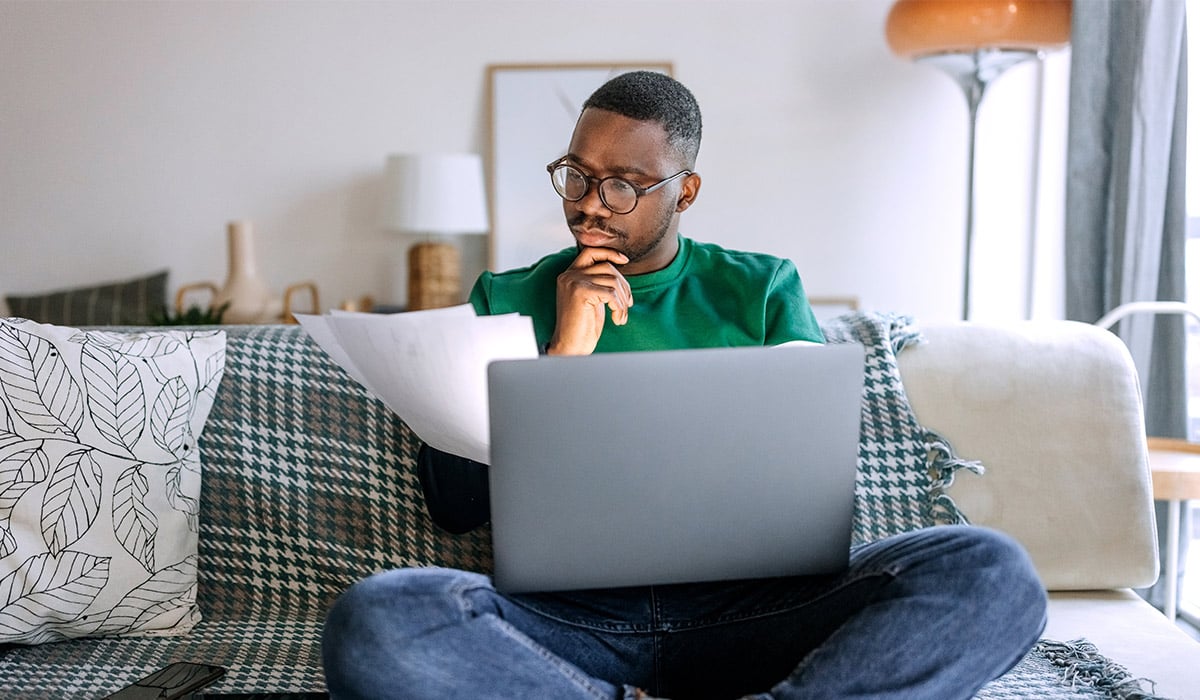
930,614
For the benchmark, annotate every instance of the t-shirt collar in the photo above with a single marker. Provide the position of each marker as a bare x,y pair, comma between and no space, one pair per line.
668,274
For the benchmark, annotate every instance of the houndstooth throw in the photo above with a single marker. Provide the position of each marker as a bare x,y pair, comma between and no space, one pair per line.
310,485
903,468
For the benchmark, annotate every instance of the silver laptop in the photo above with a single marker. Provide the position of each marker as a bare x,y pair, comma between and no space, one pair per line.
644,468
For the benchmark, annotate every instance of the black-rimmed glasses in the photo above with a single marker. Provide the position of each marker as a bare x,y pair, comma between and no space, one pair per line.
618,194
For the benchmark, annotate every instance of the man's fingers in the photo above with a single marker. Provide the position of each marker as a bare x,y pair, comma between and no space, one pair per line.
620,314
591,256
585,289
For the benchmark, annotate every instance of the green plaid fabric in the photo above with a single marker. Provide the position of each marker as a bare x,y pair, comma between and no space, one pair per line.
309,485
903,468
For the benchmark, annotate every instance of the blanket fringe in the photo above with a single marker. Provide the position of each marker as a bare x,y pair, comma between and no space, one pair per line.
903,332
1083,663
943,465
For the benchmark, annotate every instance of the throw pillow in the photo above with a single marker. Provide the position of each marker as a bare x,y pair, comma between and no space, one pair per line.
100,478
132,302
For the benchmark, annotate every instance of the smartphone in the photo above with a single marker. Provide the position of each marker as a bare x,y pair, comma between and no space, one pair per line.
170,682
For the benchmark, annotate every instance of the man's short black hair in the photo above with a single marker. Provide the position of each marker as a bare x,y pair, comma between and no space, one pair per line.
650,96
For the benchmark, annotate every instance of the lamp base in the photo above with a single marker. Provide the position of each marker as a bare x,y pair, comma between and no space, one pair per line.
434,277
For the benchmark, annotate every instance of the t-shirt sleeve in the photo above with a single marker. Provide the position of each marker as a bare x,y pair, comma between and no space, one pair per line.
480,297
789,316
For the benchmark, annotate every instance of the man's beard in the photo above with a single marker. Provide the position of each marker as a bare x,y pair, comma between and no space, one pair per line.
623,246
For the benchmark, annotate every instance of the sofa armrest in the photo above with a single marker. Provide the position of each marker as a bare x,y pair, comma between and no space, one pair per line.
1053,410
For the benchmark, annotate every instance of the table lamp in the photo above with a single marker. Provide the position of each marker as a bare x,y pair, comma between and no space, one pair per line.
434,195
974,41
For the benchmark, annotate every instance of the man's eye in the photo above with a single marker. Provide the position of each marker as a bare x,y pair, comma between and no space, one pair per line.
620,186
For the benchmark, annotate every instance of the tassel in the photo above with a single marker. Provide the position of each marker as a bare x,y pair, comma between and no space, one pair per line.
1082,663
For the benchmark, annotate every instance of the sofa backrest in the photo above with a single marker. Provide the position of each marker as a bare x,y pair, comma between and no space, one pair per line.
1053,410
309,485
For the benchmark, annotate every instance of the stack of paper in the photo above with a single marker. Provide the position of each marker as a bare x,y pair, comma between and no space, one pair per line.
429,367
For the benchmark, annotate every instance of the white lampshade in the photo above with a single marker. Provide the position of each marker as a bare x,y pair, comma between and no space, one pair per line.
435,193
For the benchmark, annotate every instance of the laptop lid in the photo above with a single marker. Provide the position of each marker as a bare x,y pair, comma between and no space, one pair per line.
643,468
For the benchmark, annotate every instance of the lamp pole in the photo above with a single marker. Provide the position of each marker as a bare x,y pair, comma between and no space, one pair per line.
974,41
973,72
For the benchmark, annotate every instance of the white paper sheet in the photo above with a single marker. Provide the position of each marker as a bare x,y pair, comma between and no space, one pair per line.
429,367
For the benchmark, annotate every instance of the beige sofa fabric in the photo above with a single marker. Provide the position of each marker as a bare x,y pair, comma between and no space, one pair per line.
1130,632
1053,411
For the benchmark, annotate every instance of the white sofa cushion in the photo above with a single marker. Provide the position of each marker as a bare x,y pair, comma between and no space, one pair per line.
1053,411
100,478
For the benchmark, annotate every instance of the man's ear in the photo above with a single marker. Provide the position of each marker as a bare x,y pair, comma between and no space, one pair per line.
687,193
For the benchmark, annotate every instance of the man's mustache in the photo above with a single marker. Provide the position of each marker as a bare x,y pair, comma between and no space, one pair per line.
590,222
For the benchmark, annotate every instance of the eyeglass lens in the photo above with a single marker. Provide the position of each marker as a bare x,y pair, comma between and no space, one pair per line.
616,194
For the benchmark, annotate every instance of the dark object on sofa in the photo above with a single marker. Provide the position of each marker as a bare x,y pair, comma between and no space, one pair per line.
455,490
133,302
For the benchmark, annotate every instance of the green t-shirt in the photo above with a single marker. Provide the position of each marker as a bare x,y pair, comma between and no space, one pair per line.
707,297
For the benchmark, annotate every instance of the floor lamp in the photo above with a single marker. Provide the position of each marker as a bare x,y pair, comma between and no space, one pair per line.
974,41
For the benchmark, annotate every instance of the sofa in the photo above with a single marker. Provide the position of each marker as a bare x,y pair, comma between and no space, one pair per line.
309,484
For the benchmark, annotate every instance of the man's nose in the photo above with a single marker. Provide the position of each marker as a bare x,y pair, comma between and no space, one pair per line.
591,204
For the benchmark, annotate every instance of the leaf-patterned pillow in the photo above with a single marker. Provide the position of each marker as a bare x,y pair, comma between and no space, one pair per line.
100,478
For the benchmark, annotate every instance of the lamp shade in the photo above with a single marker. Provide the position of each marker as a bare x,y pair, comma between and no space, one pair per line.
435,193
923,27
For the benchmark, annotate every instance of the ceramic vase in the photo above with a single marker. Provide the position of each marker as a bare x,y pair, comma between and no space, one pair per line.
250,299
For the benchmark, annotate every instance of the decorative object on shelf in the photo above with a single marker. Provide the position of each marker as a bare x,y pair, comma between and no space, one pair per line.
532,110
974,41
249,297
365,303
431,195
194,315
313,296
245,296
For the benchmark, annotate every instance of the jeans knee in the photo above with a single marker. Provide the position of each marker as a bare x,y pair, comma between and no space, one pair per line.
381,598
1004,573
387,608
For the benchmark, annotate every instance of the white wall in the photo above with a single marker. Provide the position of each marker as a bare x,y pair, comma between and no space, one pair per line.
131,132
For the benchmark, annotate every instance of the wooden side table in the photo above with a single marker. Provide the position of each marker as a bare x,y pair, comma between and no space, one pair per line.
1175,471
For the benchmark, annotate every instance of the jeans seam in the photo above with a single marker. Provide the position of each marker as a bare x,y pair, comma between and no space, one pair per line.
580,679
656,635
771,612
616,628
460,589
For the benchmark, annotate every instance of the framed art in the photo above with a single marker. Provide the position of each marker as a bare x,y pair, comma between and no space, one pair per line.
825,308
532,110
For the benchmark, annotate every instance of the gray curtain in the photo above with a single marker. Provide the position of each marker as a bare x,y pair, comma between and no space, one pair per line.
1126,218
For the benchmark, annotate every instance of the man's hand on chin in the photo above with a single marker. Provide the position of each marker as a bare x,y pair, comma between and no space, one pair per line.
590,284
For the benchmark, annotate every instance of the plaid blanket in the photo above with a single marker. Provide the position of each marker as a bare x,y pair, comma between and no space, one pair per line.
310,485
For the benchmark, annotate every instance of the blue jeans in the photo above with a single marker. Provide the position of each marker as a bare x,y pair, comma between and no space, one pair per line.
930,614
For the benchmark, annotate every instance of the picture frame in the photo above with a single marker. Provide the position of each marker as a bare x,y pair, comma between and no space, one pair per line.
532,110
828,307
